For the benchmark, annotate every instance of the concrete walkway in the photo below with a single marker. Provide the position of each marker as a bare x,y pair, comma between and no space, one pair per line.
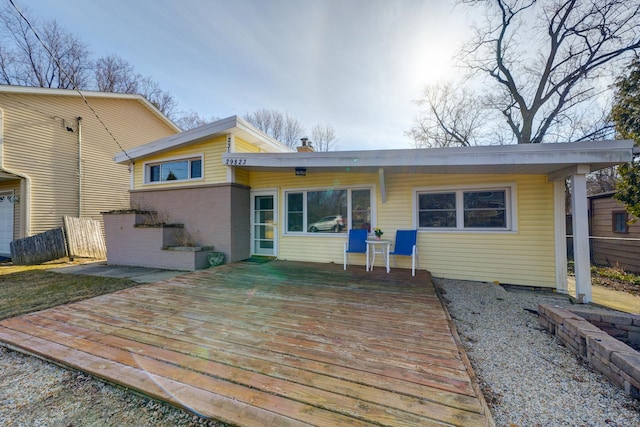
610,298
137,274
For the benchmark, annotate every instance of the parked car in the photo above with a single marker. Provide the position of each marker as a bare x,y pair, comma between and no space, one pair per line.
328,223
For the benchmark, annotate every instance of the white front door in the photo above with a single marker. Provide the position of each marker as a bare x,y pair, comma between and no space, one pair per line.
264,230
6,222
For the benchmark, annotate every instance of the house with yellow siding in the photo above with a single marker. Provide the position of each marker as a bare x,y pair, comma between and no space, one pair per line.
56,156
491,213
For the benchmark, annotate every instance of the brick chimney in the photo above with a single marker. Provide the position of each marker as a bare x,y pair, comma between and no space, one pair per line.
306,146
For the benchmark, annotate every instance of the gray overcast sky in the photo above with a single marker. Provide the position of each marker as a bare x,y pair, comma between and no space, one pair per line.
354,64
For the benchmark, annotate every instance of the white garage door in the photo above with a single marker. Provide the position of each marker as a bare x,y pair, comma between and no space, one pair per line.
6,222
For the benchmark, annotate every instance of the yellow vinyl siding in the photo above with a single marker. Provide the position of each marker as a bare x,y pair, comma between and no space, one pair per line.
242,177
321,248
523,257
213,171
37,144
286,180
243,146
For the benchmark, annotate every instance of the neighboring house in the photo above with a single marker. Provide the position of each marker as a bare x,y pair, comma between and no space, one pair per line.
56,157
614,241
492,213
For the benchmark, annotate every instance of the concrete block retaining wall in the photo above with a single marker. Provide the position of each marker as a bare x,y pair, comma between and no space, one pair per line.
616,360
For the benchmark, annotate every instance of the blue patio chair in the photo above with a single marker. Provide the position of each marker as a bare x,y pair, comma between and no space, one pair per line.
356,244
406,246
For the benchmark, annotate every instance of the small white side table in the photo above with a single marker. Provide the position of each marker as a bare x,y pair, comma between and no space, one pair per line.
375,246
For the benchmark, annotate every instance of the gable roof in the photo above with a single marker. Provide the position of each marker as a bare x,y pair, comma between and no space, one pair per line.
556,160
27,90
231,125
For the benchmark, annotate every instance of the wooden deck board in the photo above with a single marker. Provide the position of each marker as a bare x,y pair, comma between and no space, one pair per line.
271,344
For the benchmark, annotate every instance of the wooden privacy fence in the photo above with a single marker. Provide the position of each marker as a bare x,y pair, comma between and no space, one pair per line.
40,248
84,238
80,237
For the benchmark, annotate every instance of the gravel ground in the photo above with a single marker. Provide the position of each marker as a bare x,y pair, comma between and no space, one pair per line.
35,393
527,377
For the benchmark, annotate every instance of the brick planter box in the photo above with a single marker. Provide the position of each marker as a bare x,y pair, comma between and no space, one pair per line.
579,330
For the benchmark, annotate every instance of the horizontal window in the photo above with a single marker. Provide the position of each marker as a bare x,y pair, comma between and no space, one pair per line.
174,170
327,211
472,209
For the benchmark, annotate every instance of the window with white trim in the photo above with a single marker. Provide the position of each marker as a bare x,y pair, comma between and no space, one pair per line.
174,170
327,211
465,209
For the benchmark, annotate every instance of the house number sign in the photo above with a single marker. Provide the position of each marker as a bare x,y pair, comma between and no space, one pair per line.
235,162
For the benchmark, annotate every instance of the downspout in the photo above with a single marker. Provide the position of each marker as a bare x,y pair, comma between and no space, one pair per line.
79,119
25,188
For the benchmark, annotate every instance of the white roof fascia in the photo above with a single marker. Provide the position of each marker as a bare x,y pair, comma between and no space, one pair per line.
26,90
538,158
232,124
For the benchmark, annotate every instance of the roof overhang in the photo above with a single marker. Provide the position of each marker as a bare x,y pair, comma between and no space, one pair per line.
231,125
554,160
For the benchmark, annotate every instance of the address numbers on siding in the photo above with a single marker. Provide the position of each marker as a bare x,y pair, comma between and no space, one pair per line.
235,161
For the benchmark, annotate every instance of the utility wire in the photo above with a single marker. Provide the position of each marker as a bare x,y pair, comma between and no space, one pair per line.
62,70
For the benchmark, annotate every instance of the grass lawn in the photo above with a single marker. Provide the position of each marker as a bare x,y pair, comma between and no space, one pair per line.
25,289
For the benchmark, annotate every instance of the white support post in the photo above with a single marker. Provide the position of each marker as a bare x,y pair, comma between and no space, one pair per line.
560,232
383,185
582,262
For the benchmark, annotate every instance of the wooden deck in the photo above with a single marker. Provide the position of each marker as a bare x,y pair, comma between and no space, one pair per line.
274,344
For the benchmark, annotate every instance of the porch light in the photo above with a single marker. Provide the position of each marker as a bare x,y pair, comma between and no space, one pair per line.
301,171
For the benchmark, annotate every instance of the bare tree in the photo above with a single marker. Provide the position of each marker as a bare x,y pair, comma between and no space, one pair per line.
294,130
54,58
191,119
161,99
262,119
541,63
452,117
58,60
280,126
71,64
115,74
323,137
602,181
